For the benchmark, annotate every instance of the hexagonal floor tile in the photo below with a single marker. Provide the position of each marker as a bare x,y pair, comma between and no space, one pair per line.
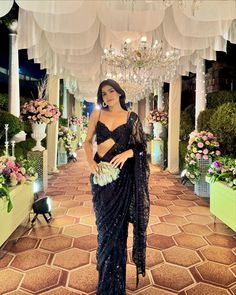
221,228
173,192
71,258
219,254
153,220
18,293
179,210
88,243
57,212
216,273
40,278
77,230
29,259
165,229
200,210
70,204
79,279
159,211
183,203
178,220
199,219
181,256
62,221
44,231
163,203
9,280
233,289
154,291
196,229
153,257
89,220
55,244
171,277
5,259
189,241
222,240
204,289
160,242
22,244
79,211
59,291
131,279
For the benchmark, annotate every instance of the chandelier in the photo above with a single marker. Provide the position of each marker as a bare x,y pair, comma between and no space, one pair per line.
140,65
144,56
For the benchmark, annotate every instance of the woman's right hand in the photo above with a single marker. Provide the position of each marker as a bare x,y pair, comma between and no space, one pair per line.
93,166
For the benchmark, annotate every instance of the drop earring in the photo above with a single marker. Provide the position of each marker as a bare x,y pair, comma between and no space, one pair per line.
104,104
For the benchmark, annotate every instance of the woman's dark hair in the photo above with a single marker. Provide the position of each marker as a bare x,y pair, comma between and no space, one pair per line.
116,87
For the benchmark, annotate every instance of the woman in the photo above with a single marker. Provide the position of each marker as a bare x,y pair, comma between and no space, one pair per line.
120,141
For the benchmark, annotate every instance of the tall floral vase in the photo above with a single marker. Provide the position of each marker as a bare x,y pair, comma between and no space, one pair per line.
157,130
202,188
38,134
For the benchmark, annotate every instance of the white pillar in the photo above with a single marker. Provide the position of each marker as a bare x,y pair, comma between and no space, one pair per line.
65,98
160,101
200,100
13,86
147,126
52,130
174,125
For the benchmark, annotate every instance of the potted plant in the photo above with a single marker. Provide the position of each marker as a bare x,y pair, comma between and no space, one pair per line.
222,179
202,148
16,193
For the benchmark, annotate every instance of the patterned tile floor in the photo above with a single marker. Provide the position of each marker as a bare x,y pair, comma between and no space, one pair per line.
187,254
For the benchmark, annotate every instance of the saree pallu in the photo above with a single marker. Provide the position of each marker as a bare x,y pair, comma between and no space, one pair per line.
118,203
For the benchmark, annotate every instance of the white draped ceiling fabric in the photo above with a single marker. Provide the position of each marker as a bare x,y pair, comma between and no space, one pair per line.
67,37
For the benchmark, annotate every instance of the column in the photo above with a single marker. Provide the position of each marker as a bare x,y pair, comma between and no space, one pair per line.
65,98
200,101
147,126
52,130
174,125
13,86
160,101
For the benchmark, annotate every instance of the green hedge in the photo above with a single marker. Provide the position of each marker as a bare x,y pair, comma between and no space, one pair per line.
203,120
14,125
63,122
186,125
216,99
4,101
223,125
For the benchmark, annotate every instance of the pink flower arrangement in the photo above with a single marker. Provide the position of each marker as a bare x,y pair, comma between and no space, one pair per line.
158,116
40,111
74,120
203,145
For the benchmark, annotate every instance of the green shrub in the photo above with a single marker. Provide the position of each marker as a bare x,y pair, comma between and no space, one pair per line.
218,98
14,125
190,110
4,101
23,147
63,122
182,152
203,120
186,125
223,125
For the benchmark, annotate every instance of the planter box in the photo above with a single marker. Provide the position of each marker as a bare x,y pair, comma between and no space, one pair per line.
22,198
202,188
223,203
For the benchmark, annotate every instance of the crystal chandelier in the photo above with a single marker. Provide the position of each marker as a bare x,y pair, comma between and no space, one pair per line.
144,56
140,65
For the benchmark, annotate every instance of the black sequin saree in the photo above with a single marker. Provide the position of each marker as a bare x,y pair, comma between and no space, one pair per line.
120,202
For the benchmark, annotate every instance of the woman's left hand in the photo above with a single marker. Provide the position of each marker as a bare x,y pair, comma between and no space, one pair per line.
120,159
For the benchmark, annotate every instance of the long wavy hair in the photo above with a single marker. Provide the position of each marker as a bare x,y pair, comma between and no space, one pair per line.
116,87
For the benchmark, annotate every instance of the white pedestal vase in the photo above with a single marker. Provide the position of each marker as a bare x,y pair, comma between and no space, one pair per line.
38,134
157,130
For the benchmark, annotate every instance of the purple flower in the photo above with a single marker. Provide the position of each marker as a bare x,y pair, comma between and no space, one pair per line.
217,165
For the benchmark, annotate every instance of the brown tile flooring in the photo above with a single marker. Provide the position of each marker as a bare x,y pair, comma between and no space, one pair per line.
187,254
